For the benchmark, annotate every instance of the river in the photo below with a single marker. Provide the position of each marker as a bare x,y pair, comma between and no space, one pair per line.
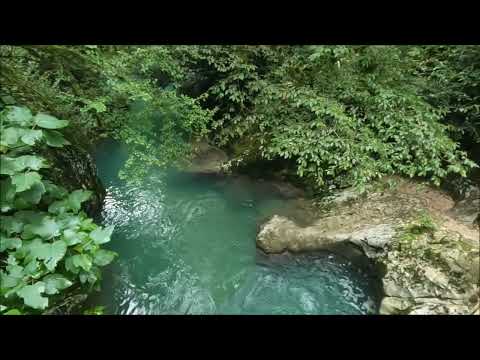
186,245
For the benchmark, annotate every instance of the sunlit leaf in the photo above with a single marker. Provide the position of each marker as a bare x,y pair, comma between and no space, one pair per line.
49,122
103,257
101,236
50,253
32,295
46,228
13,312
20,116
30,197
55,282
25,181
9,136
76,262
30,137
72,237
77,197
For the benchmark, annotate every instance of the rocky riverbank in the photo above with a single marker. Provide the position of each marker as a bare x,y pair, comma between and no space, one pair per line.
424,249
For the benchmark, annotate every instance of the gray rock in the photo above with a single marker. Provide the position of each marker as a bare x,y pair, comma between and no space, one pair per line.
373,239
287,190
468,209
207,159
423,273
393,305
343,196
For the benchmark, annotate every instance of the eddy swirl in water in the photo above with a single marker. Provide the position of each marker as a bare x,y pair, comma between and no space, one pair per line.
187,246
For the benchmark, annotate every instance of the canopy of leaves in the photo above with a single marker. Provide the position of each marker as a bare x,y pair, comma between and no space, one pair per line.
127,92
337,115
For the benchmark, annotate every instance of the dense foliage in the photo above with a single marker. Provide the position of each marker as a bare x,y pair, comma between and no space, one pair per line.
47,243
453,74
344,115
335,115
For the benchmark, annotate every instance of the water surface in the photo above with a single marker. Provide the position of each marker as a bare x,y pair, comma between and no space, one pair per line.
187,246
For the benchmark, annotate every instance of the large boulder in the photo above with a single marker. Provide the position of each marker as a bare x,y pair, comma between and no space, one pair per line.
427,259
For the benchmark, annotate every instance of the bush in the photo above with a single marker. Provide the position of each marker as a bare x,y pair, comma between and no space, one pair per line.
47,243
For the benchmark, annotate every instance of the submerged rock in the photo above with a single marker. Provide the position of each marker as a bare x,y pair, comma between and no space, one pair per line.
428,260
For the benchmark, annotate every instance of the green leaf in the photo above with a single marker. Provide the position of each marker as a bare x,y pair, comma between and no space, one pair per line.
9,243
10,166
50,253
49,122
68,221
72,237
75,262
31,249
103,257
46,228
55,138
30,137
88,225
21,116
72,202
97,310
13,312
101,236
10,225
32,162
25,181
8,100
30,197
55,282
31,295
31,269
83,276
56,252
77,197
58,207
56,191
30,216
97,105
7,194
9,136
12,278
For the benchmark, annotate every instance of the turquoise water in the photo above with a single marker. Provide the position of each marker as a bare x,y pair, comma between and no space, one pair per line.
187,246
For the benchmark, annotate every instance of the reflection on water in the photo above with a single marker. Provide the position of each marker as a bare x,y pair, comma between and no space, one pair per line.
187,246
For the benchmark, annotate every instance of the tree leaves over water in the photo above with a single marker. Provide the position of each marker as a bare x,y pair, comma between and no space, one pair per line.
335,115
47,244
